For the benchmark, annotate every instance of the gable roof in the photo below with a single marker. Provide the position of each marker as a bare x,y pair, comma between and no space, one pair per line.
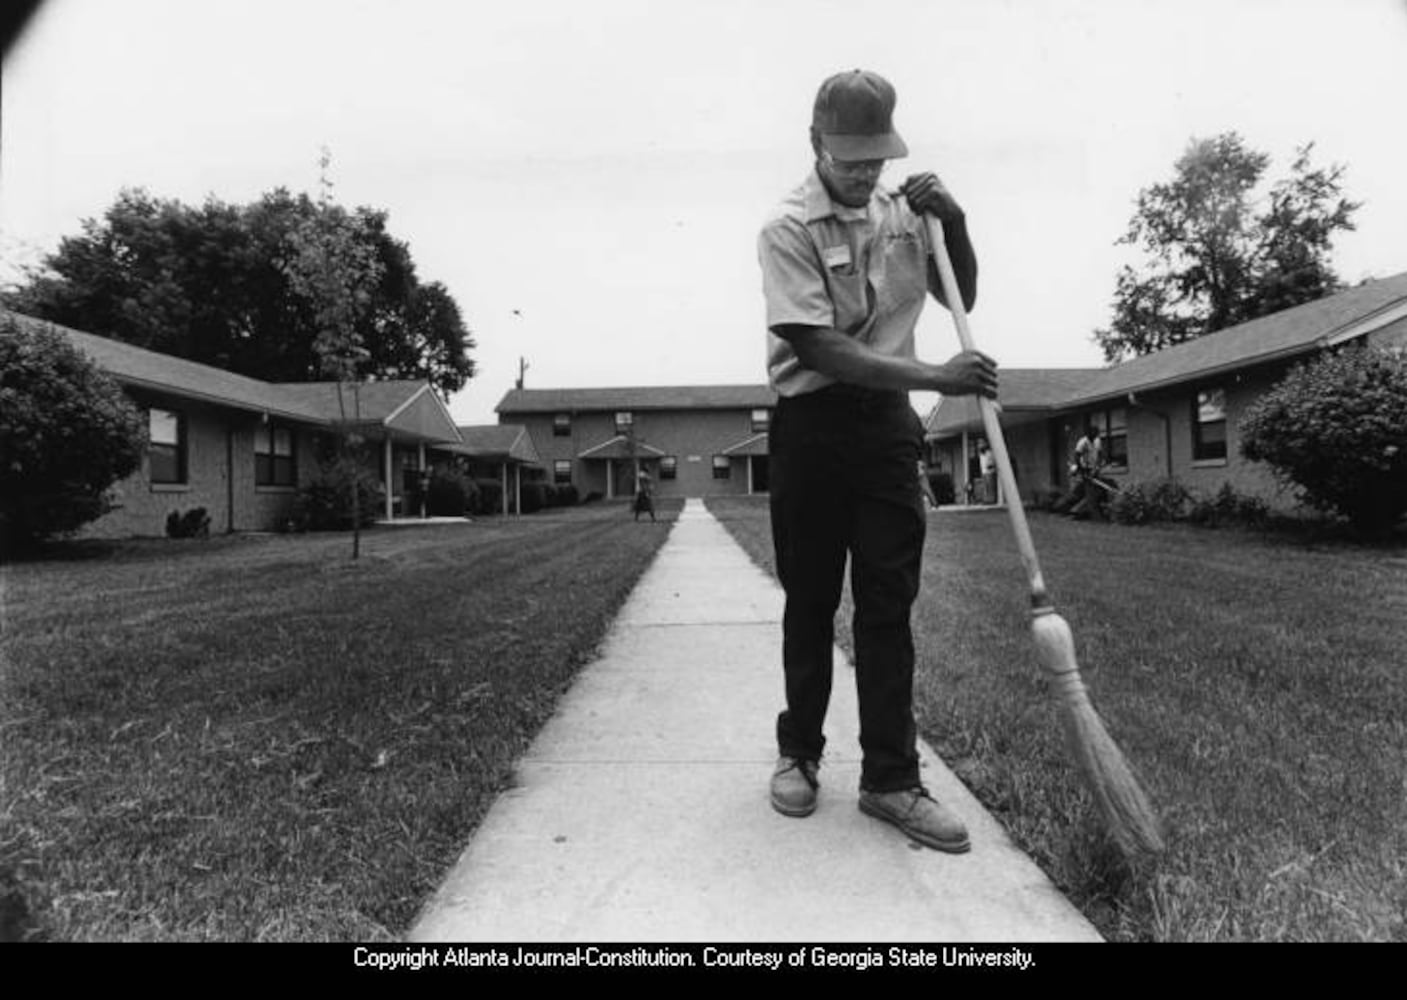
497,442
1023,391
1308,327
141,368
381,403
681,397
756,444
1289,333
620,447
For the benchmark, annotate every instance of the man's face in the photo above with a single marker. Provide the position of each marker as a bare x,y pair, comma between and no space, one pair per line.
850,182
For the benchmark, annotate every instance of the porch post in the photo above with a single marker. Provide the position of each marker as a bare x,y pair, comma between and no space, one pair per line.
390,483
610,478
966,468
424,500
503,481
518,488
749,475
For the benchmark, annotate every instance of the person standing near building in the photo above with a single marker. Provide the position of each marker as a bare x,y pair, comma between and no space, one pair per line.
846,268
988,465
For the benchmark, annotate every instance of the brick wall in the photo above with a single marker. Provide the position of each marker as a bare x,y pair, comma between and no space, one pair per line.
693,437
219,468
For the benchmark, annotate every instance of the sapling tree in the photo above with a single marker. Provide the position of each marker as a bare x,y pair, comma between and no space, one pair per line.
335,270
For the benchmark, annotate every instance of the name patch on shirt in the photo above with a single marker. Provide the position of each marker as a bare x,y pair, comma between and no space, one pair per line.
836,256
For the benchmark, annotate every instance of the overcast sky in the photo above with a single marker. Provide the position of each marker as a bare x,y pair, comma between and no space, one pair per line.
601,167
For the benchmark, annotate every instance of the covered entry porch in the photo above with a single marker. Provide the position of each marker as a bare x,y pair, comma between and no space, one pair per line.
616,464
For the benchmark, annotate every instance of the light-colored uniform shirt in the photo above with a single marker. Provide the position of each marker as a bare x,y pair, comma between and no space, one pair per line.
862,271
1087,454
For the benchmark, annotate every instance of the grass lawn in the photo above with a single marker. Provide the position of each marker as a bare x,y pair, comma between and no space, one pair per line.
256,738
1258,685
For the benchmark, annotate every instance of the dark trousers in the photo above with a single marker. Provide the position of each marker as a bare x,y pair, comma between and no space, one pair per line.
844,481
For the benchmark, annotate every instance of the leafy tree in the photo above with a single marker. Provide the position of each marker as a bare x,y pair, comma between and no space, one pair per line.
1337,429
67,433
211,284
1216,254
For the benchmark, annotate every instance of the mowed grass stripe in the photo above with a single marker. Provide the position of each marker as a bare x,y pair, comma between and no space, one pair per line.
1256,683
259,739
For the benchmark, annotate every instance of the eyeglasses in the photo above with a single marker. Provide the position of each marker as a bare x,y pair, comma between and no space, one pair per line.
852,168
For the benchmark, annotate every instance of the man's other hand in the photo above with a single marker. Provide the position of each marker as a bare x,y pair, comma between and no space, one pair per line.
928,196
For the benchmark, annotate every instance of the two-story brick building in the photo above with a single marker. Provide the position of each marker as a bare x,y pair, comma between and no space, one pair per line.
693,441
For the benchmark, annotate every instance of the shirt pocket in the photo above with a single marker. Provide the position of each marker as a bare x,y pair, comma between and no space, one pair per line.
905,274
850,293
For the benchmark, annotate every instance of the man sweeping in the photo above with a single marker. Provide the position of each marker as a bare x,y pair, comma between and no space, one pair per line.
846,269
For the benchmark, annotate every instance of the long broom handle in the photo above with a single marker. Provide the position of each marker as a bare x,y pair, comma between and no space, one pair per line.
990,423
1125,807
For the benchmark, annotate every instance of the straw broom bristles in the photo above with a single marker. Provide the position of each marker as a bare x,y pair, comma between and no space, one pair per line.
1126,811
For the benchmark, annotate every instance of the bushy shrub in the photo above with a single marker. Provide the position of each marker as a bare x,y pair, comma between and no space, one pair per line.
941,483
194,523
1336,428
567,495
450,494
1226,506
67,433
325,503
488,497
534,497
1163,499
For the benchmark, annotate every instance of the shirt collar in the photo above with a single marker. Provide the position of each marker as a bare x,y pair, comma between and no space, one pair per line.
819,206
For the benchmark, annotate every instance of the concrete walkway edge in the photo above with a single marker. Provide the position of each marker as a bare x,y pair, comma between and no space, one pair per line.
640,813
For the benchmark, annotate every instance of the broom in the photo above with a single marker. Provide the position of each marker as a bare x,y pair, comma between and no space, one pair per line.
1126,810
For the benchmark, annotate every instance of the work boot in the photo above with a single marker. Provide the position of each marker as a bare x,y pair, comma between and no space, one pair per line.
794,785
920,816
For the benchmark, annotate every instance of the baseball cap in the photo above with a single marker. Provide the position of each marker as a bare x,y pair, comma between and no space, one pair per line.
854,117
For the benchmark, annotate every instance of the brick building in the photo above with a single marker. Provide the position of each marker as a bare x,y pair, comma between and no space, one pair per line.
693,441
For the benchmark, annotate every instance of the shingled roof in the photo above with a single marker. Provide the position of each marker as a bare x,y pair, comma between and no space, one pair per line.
1309,327
309,402
677,397
497,443
1023,391
140,368
1372,306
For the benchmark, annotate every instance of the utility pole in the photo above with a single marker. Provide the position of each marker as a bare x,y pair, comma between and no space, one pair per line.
522,371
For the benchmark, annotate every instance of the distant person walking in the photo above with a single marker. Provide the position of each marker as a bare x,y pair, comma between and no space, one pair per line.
644,496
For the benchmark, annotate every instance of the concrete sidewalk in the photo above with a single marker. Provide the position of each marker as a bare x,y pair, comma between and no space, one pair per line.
641,812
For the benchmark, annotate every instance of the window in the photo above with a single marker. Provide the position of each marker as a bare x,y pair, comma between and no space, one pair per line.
273,456
761,420
669,467
625,420
562,425
1209,426
1114,434
722,467
562,471
167,453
